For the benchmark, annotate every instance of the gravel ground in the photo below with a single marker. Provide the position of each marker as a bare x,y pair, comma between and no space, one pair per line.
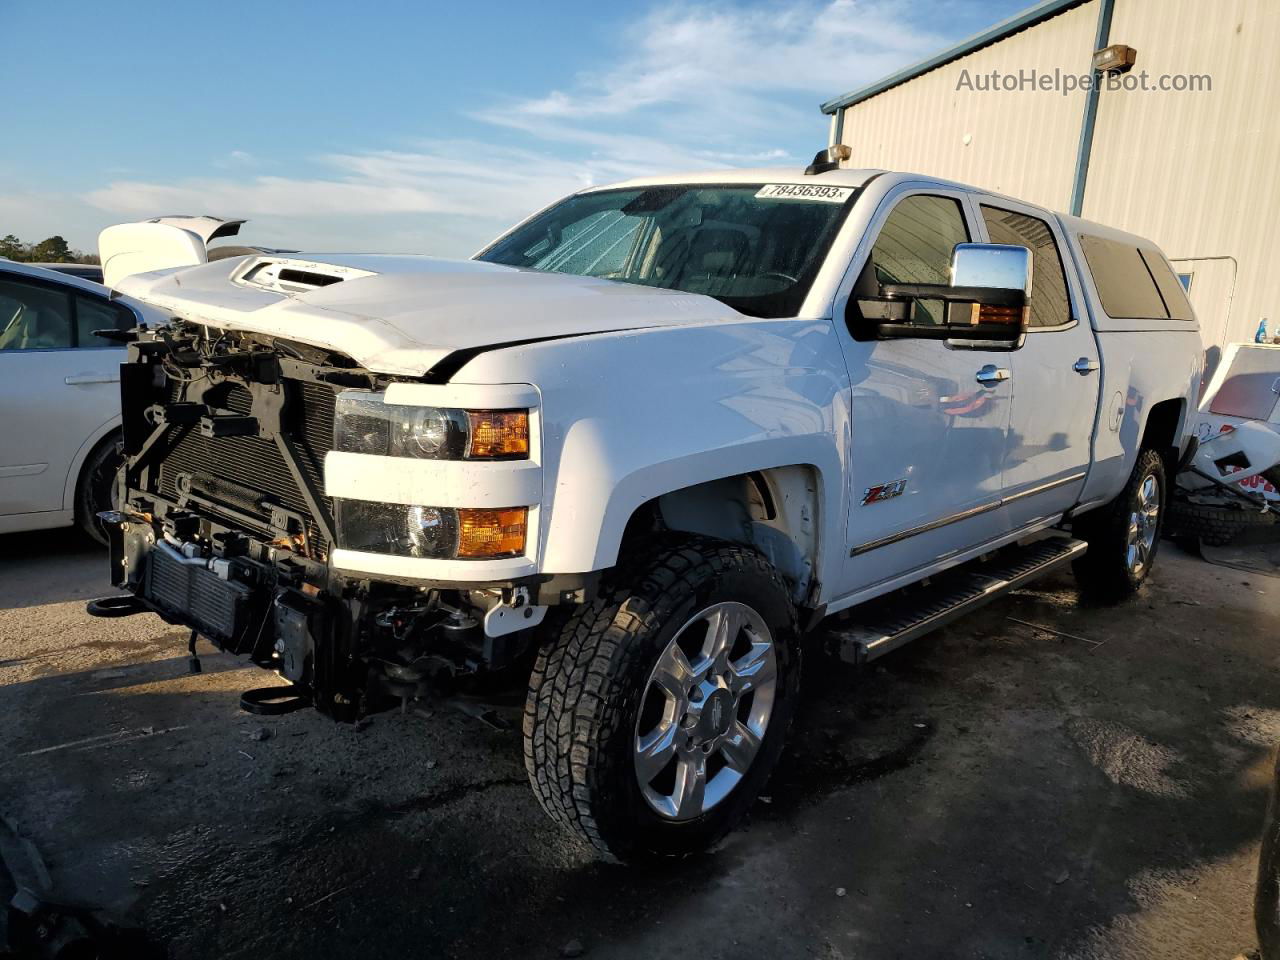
1094,789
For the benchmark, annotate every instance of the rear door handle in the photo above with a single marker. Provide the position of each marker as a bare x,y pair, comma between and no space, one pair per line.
990,375
83,378
1084,366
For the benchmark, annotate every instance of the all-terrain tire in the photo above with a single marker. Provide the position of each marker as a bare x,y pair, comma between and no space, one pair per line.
1105,573
588,684
94,491
1216,526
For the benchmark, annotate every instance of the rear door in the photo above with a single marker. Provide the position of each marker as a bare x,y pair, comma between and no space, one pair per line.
59,385
1055,376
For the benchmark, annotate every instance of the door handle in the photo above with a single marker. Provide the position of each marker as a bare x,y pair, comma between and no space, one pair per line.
990,375
1084,366
82,378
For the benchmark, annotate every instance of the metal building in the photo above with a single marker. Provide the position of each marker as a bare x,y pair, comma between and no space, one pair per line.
1182,146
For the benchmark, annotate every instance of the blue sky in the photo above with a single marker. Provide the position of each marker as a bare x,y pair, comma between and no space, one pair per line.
416,127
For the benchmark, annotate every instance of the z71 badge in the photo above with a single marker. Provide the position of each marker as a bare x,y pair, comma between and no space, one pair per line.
885,491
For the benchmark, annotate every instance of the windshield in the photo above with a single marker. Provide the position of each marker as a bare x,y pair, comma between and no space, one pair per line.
754,247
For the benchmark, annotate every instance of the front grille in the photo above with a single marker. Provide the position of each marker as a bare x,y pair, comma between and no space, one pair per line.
245,473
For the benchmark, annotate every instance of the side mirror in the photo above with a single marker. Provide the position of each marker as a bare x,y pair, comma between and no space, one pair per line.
999,266
986,301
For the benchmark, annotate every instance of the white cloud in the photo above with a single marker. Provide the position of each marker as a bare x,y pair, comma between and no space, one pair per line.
236,158
686,53
697,86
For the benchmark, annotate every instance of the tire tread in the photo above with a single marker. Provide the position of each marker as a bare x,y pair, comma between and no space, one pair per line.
572,709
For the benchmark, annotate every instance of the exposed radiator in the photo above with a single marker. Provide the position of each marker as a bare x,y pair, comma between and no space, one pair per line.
241,471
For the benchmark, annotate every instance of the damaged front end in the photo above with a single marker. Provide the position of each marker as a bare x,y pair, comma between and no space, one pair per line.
224,526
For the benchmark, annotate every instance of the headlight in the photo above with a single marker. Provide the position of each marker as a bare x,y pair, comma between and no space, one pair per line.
364,424
440,533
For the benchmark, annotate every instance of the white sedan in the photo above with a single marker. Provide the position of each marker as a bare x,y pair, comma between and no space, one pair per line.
59,396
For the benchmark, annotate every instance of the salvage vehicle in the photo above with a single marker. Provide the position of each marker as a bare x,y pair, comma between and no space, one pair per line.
59,376
645,441
1230,487
85,271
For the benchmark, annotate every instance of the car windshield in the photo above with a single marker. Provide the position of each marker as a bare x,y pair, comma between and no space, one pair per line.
754,247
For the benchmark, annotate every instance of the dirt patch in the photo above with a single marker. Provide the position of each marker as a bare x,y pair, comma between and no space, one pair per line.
1128,758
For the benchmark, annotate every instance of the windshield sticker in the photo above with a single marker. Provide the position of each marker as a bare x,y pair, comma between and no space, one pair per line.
804,191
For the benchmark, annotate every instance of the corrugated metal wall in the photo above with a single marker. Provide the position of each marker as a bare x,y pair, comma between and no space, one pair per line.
1020,143
1199,173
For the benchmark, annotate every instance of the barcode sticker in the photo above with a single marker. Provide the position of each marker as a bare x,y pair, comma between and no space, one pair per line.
804,191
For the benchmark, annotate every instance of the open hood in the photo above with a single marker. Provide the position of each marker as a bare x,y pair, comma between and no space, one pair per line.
402,315
158,244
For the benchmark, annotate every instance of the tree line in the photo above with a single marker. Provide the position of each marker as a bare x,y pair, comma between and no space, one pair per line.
54,249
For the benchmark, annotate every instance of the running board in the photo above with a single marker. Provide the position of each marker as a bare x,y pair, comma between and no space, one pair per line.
887,623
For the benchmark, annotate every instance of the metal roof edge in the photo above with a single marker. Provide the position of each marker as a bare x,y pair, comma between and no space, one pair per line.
1019,21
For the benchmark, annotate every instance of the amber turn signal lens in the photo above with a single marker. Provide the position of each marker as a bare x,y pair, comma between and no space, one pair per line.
986,313
492,533
498,433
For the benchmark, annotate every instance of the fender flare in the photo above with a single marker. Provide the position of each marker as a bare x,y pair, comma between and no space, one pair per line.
592,504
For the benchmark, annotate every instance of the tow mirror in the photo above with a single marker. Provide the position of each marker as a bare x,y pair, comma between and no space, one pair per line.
986,301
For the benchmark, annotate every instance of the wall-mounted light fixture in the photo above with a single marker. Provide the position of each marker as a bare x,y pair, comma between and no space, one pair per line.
1116,58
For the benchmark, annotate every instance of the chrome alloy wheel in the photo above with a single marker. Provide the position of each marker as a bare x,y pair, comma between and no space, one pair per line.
705,710
1144,522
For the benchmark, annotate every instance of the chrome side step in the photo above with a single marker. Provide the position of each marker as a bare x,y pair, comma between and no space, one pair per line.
887,623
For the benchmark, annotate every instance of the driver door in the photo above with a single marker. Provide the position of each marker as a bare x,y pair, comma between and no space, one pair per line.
929,422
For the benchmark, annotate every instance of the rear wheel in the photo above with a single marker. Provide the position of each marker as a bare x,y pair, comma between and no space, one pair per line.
96,490
656,716
1123,536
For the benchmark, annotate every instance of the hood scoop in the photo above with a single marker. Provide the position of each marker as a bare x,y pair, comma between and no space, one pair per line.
290,276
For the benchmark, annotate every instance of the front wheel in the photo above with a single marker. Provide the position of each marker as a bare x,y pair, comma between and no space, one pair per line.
656,716
1124,535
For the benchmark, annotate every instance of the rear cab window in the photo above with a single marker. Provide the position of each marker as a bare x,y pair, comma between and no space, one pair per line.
1134,283
1172,291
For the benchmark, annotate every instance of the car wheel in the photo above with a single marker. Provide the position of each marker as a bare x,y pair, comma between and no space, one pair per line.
656,715
1123,536
96,490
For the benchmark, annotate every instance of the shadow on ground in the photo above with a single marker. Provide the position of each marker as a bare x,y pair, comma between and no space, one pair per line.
1040,780
51,566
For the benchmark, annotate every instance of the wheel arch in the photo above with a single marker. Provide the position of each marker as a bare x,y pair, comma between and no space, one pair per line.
1164,431
92,444
776,510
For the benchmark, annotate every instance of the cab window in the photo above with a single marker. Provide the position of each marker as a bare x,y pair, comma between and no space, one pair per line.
1050,301
38,316
95,314
34,317
915,245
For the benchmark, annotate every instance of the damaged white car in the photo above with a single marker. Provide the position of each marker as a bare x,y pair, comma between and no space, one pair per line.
636,448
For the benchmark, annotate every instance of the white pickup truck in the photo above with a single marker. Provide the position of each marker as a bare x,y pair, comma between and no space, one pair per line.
637,448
